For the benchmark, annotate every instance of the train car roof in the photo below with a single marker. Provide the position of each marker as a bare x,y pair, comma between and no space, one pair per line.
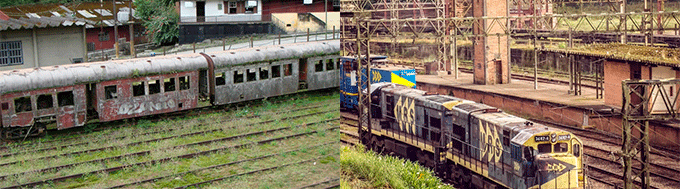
275,52
72,74
390,67
529,131
431,101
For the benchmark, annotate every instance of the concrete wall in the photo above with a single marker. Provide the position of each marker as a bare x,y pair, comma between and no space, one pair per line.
55,46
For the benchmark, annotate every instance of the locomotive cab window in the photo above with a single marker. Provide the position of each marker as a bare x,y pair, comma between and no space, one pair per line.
264,73
22,104
45,101
65,98
154,87
577,150
219,79
544,148
111,92
251,75
276,71
184,83
138,88
561,147
169,84
330,64
318,67
287,69
238,76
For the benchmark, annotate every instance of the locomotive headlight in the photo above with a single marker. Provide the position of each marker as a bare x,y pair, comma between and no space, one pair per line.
553,137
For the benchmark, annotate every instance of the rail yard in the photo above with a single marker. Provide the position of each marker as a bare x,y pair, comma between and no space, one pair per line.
244,146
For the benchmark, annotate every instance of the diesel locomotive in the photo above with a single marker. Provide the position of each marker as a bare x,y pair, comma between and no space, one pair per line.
66,96
472,144
380,72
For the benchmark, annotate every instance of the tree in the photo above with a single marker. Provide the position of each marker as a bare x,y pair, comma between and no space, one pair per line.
160,20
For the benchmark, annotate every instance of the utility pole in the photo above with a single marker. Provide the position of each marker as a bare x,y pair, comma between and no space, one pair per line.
115,29
132,31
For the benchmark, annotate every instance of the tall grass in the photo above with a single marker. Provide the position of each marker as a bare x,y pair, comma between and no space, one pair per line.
366,169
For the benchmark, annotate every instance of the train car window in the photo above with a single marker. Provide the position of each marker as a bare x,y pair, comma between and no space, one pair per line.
154,87
264,73
528,156
219,79
65,98
251,75
169,84
506,138
238,76
561,147
276,71
111,92
184,83
337,63
22,104
45,101
138,88
318,67
287,69
5,106
389,104
577,150
544,148
330,65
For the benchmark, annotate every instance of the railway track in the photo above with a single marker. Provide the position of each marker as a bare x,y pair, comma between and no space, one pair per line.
189,155
540,79
348,129
141,142
130,145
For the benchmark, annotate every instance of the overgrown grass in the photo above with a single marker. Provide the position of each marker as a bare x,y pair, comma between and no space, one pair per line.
361,168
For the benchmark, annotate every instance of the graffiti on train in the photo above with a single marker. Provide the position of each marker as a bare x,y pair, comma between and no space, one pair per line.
141,107
404,111
490,142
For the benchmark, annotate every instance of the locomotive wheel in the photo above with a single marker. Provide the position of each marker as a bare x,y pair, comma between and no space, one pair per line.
376,145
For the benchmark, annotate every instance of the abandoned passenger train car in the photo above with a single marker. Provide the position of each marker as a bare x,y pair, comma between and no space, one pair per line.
471,143
60,97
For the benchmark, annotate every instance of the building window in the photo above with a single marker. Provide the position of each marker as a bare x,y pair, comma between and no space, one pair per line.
219,6
104,36
251,7
10,53
232,7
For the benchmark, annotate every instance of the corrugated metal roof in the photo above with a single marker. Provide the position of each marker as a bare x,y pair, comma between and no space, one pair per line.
90,14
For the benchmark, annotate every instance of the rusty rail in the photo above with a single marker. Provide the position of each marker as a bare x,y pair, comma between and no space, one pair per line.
149,151
658,169
217,166
108,170
123,137
250,172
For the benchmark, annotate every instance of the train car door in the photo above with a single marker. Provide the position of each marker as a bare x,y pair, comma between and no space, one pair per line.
302,71
66,116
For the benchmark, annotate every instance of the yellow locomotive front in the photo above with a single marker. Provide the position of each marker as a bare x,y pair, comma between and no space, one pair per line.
553,159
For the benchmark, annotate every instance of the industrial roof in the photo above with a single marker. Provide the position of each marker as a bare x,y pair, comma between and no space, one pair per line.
90,14
634,53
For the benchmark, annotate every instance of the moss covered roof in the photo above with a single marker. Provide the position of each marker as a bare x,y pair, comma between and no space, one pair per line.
633,53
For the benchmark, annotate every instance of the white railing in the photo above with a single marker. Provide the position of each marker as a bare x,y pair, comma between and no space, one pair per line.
223,18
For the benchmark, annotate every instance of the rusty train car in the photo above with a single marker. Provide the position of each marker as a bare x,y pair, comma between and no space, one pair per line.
66,96
472,144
